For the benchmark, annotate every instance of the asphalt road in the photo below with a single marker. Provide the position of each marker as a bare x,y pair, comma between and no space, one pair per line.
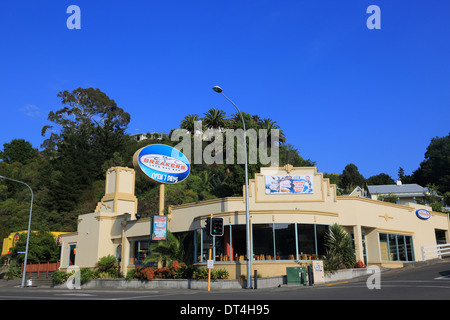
422,282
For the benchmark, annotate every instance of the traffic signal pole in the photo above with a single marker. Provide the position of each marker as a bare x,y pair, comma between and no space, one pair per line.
214,227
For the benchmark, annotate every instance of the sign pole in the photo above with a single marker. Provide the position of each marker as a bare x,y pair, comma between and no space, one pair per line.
161,199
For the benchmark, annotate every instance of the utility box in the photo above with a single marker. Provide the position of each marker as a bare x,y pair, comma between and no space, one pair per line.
296,275
318,272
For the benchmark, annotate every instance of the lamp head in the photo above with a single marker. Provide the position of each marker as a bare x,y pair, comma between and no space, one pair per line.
217,89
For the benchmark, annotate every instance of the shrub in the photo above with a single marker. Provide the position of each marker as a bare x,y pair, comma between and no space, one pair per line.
184,272
200,274
131,274
59,277
219,274
360,264
107,263
340,253
145,273
86,275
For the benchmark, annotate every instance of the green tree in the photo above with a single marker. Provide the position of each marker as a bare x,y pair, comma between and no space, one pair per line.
339,250
270,125
351,178
18,150
167,250
189,122
435,169
214,119
90,130
380,179
42,247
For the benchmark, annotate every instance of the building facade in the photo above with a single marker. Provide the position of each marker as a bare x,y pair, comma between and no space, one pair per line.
290,209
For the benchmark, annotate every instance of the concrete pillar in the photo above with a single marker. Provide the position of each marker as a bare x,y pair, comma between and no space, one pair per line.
358,242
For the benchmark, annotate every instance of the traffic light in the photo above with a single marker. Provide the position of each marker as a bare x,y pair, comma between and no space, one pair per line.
217,227
208,226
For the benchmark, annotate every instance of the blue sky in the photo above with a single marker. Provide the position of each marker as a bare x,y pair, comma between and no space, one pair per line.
342,93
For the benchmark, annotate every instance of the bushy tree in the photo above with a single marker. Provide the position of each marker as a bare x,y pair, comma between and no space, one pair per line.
339,250
435,169
351,178
42,247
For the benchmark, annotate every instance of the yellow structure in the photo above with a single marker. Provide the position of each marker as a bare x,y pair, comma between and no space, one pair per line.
9,242
291,210
102,232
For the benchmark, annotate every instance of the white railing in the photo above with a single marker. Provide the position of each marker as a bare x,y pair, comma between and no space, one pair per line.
435,251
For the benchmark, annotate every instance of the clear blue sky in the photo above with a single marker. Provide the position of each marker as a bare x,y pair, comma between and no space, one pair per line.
342,93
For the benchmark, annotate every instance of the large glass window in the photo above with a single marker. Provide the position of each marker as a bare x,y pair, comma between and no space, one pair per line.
393,254
222,245
198,245
139,250
321,231
270,241
306,238
285,241
239,243
401,248
396,247
205,244
409,248
263,241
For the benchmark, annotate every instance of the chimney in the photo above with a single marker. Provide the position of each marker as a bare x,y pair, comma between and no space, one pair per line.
399,182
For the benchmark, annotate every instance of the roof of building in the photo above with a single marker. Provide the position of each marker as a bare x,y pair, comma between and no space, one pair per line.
395,189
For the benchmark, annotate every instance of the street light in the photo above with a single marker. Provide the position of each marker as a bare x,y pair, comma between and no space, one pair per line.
247,215
28,234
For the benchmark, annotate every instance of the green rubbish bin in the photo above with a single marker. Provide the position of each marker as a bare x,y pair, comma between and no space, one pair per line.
296,275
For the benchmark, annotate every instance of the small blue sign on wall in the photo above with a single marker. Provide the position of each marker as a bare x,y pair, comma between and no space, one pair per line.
423,214
162,163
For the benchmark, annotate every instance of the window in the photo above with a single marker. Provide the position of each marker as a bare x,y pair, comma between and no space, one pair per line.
205,244
222,245
409,248
263,241
306,239
396,247
440,236
239,249
270,241
72,252
139,250
393,255
285,241
321,232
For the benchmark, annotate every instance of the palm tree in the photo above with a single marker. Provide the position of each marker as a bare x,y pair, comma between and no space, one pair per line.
169,250
270,125
189,121
214,118
340,252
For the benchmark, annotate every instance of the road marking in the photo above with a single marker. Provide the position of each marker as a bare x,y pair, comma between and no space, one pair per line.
75,294
335,283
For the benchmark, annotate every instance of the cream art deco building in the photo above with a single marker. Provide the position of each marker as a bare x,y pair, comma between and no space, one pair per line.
291,210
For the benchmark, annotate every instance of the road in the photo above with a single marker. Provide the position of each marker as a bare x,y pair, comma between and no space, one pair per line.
424,282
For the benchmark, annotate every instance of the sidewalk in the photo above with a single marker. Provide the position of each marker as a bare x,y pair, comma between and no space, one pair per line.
10,283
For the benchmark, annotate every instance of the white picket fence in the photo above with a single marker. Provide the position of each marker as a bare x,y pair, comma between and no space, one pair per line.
435,251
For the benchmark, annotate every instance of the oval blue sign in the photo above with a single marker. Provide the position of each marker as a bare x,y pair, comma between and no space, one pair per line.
162,163
423,214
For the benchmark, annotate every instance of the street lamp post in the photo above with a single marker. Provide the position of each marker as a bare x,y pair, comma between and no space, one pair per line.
28,234
247,215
